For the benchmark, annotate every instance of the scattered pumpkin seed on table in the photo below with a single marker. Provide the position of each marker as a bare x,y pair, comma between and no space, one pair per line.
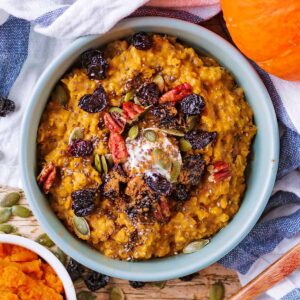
21,211
45,240
97,163
116,293
85,295
150,135
5,214
61,256
9,199
195,246
81,227
7,228
217,291
184,145
76,134
133,132
104,164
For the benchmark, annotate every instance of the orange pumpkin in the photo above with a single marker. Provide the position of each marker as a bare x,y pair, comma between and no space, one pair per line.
267,32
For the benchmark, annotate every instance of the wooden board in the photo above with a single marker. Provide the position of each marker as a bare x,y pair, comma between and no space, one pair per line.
198,288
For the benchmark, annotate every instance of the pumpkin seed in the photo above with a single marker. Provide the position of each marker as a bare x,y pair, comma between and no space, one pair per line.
109,160
191,122
175,171
85,295
60,94
159,80
173,132
104,164
5,214
81,227
116,293
7,228
184,145
116,109
136,100
76,134
129,95
150,135
133,132
97,163
44,240
217,291
61,256
10,199
195,246
160,284
21,211
162,159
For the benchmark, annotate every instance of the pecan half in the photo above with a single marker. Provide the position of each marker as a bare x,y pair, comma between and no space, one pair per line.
132,111
219,171
114,122
117,147
47,177
176,94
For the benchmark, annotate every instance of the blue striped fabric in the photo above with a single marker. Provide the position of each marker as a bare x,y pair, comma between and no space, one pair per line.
293,295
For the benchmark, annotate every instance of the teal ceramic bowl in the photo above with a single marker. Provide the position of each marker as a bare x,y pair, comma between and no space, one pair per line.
260,178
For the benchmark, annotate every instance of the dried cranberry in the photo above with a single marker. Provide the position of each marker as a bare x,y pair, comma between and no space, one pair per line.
137,284
180,192
141,41
192,104
6,106
158,184
75,269
95,281
83,202
80,148
95,102
199,139
95,63
148,94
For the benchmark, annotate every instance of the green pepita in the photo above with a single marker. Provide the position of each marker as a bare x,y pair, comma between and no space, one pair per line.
7,228
76,134
133,132
191,122
21,211
44,240
61,256
160,284
175,171
116,109
81,227
104,164
5,214
150,135
10,199
173,132
162,159
109,160
184,145
195,246
60,94
129,95
159,80
85,295
217,291
97,163
116,293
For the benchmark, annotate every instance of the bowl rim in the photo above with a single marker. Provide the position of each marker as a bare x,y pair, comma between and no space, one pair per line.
48,256
244,229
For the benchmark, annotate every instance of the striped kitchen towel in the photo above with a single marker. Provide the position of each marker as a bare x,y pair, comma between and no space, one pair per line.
33,32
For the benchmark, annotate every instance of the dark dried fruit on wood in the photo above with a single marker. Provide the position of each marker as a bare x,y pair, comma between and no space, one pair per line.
199,139
148,94
219,171
95,102
95,281
188,277
132,111
6,106
114,122
192,169
137,284
47,177
117,147
158,184
95,63
180,192
83,202
177,93
75,269
80,148
141,40
192,104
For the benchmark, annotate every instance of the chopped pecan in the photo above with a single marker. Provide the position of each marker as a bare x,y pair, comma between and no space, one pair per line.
219,171
114,122
131,111
47,177
176,94
117,148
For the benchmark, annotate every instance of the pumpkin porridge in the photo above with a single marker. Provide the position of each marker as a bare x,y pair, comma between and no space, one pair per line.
143,147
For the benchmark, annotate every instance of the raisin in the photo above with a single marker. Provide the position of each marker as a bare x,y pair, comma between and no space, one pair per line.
188,277
148,94
75,269
158,184
83,202
167,115
199,139
137,284
80,148
95,102
192,104
6,106
141,41
180,192
192,169
95,63
95,281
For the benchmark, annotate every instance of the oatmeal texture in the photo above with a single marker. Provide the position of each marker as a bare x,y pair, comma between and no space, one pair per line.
210,204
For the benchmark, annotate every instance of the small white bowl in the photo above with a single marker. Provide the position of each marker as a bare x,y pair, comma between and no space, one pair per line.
48,256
